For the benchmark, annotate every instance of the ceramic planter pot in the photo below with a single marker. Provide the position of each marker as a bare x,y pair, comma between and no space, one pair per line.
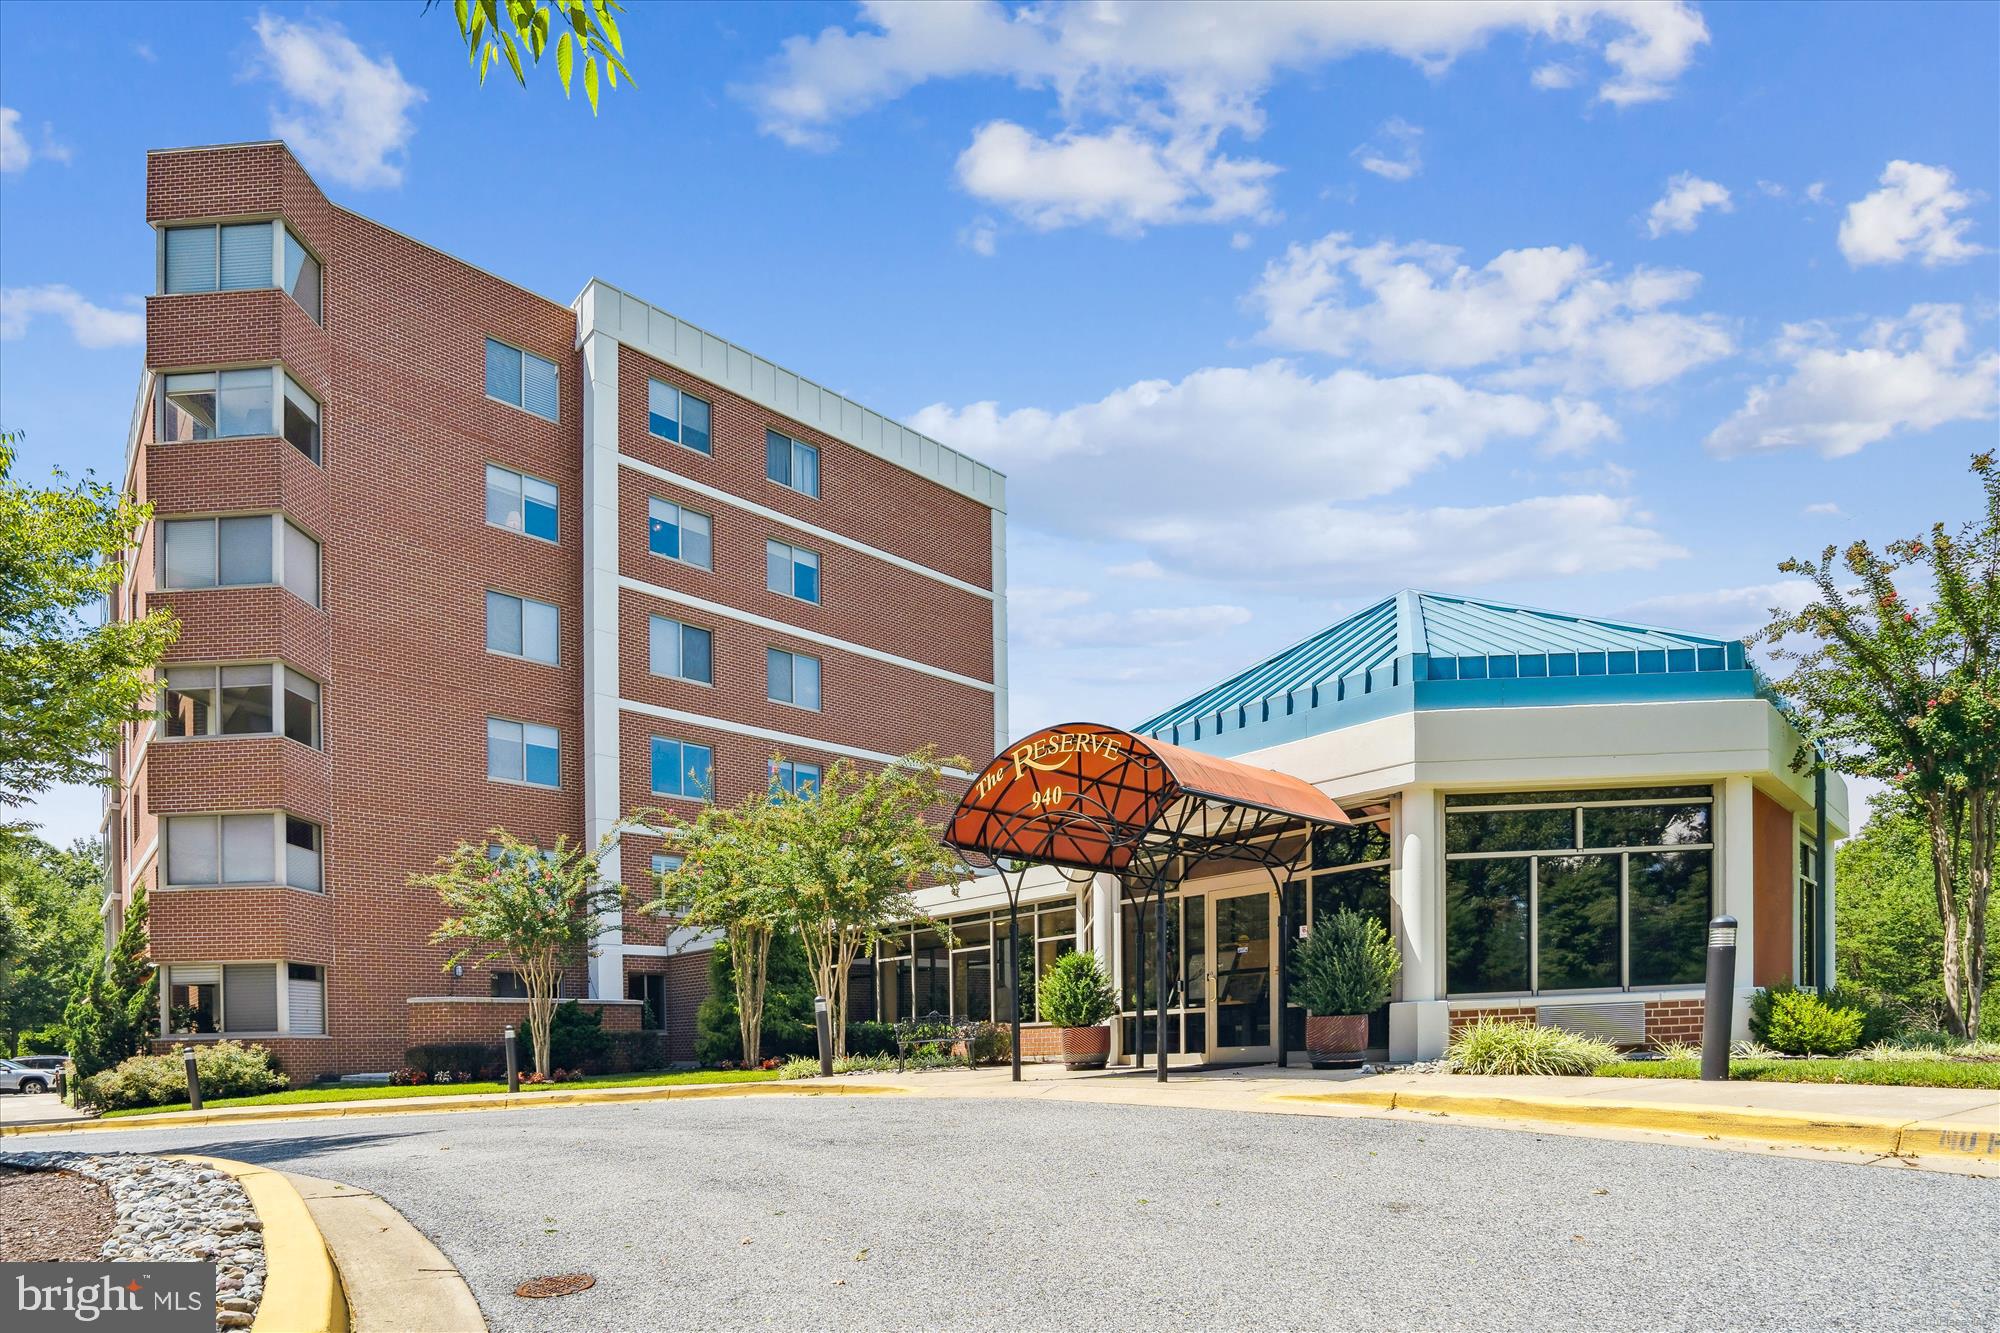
1336,1041
1085,1048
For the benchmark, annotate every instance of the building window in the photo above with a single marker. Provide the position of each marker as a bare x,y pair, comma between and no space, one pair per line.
792,463
237,404
917,973
679,534
800,780
523,752
682,768
242,849
1577,890
523,627
664,863
504,984
194,999
240,256
263,549
262,700
1808,935
305,1000
520,503
680,417
791,678
792,571
521,379
684,652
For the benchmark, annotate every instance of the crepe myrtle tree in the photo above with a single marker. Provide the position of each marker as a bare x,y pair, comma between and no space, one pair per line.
734,871
856,850
537,909
1906,689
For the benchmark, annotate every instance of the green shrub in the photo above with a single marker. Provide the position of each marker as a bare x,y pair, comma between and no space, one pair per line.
1346,966
1074,993
873,1064
1497,1046
799,1066
1880,1021
788,1027
577,1039
1801,1023
465,1059
871,1038
992,1044
225,1068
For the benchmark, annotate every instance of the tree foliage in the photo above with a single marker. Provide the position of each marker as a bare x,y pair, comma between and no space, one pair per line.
67,683
113,1010
1906,690
1346,966
584,30
49,930
537,910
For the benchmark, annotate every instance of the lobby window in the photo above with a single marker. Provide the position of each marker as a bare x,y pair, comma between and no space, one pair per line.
791,570
263,848
520,503
791,678
1577,890
521,379
242,256
794,779
684,652
261,700
1808,936
1349,871
524,752
680,534
680,417
792,463
262,549
523,627
682,768
238,404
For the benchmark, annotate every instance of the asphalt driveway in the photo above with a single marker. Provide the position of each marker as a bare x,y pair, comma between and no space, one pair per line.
892,1213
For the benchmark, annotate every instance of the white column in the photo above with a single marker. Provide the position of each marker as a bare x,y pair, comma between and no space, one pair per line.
601,805
1419,1023
1739,889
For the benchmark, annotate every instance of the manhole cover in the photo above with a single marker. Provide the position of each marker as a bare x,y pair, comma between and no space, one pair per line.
562,1284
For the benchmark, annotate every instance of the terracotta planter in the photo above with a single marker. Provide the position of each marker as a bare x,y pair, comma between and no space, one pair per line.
1085,1048
1336,1041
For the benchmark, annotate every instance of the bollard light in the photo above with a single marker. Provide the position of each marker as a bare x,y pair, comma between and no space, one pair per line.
193,1077
1719,1001
823,1021
513,1064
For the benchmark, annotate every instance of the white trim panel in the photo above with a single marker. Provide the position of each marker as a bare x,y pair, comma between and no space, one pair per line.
761,733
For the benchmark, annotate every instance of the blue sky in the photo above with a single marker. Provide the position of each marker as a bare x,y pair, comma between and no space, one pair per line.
1267,311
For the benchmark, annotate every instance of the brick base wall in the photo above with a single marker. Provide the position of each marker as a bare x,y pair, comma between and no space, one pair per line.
1464,1018
471,1018
1673,1020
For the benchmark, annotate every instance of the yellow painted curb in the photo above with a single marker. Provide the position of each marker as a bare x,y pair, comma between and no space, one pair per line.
489,1101
1856,1134
302,1292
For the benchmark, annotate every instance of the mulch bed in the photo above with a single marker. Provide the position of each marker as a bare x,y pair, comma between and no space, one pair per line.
52,1217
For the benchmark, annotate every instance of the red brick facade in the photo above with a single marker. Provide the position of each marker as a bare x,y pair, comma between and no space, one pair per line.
397,642
1676,1020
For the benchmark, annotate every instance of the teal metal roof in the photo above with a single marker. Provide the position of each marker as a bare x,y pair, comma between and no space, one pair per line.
1432,650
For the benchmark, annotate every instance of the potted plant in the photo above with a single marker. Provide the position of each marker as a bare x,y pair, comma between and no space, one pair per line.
1341,973
1075,997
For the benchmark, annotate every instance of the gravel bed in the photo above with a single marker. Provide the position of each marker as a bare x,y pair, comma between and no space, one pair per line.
169,1212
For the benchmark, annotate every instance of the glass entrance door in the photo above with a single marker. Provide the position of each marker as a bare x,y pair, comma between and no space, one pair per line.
1242,997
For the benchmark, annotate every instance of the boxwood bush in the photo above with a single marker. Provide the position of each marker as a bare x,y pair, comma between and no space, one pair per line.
1800,1023
225,1068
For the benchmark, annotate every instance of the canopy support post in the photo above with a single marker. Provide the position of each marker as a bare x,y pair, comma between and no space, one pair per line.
1160,1009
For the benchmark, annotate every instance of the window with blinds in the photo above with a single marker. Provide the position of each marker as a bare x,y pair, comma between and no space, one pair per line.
521,379
241,256
305,1000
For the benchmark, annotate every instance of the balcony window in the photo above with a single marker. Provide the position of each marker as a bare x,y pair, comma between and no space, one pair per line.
685,652
215,850
261,549
261,700
242,256
523,752
791,678
682,768
523,627
302,276
792,571
522,379
680,534
792,463
520,503
680,417
236,404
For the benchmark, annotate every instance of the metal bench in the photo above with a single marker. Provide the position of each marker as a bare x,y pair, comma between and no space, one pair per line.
934,1030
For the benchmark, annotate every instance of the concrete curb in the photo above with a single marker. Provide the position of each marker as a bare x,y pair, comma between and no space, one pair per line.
302,1292
1903,1138
490,1101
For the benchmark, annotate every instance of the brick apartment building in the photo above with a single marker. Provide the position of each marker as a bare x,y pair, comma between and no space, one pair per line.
448,555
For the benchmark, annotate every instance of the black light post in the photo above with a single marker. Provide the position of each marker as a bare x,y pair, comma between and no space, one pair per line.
823,1022
1718,1005
193,1077
1160,1000
1284,994
513,1063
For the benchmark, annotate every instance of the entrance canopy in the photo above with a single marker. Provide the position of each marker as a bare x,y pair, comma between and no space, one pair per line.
1091,797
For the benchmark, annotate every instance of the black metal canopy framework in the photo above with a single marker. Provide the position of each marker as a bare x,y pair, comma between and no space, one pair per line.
1087,798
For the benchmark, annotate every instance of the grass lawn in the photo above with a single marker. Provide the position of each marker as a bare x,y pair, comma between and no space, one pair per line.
1894,1073
320,1092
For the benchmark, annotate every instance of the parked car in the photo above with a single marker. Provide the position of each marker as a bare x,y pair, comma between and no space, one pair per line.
19,1078
52,1063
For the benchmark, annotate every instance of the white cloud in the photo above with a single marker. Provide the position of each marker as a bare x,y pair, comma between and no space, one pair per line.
1910,217
1402,159
1816,193
1545,315
91,325
1908,374
1049,617
348,116
1772,189
1152,88
14,151
1240,240
1682,205
980,236
1725,612
1823,509
1137,569
1553,77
